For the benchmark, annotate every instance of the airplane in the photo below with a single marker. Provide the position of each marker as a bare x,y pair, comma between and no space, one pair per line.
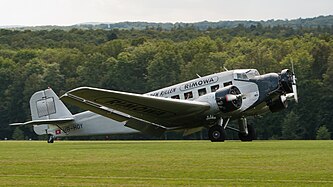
209,102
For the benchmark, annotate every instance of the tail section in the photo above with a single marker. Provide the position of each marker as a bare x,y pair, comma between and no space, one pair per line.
47,112
45,105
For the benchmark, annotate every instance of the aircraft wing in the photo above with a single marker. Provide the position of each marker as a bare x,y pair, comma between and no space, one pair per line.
153,109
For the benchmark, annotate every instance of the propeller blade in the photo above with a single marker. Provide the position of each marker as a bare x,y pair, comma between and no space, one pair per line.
292,67
295,92
294,83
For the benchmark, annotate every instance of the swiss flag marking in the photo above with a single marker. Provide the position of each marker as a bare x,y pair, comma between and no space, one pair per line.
58,131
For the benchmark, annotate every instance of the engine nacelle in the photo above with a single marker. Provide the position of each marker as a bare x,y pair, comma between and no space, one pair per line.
228,99
278,104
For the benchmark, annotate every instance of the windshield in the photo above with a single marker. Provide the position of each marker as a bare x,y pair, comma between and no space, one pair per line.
246,74
241,76
252,73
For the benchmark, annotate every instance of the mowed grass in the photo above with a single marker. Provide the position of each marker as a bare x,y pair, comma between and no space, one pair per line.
166,163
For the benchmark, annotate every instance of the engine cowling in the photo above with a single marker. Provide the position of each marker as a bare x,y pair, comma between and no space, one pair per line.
228,99
286,80
278,104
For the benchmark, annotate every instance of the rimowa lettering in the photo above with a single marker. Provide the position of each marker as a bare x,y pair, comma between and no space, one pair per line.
199,83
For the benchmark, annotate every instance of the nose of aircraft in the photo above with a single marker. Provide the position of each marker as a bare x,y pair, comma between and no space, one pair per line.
288,83
286,80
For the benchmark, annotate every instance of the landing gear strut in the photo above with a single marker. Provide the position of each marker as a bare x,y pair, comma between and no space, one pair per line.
247,132
50,139
250,136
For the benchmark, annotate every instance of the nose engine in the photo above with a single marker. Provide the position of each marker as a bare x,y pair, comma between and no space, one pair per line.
228,99
288,91
286,80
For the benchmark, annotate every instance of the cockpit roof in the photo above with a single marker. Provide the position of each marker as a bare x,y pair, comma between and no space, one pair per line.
246,71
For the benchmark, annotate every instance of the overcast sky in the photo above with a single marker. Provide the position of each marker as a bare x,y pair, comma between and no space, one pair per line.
69,12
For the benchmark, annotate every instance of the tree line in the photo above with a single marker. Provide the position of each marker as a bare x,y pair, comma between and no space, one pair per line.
143,60
320,22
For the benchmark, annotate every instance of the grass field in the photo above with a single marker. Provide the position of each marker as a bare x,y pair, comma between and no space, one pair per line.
166,163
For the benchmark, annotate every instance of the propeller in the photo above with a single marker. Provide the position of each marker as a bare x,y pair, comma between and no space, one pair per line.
294,87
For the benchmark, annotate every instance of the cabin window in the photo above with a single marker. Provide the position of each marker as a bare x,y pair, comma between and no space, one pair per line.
202,91
175,97
214,88
227,83
188,95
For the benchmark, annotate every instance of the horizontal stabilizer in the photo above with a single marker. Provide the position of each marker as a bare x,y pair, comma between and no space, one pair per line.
46,122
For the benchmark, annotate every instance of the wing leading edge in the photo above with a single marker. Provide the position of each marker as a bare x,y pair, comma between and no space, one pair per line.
121,106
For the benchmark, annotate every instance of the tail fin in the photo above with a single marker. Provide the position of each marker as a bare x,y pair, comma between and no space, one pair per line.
45,105
47,112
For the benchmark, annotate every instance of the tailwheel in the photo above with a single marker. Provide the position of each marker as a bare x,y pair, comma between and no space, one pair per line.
50,139
216,133
251,135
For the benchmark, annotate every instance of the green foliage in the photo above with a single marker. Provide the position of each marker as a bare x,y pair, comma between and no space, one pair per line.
18,134
291,128
143,60
328,76
164,68
320,23
323,133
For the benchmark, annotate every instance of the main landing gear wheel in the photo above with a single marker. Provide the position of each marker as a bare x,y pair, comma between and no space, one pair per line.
250,136
216,133
50,139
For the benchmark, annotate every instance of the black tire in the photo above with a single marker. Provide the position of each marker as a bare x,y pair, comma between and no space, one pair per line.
250,136
216,133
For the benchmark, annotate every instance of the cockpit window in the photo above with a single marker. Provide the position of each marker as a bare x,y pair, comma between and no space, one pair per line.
241,76
252,73
245,74
256,73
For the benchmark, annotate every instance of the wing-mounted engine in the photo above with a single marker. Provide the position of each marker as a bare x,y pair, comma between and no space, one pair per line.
228,99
